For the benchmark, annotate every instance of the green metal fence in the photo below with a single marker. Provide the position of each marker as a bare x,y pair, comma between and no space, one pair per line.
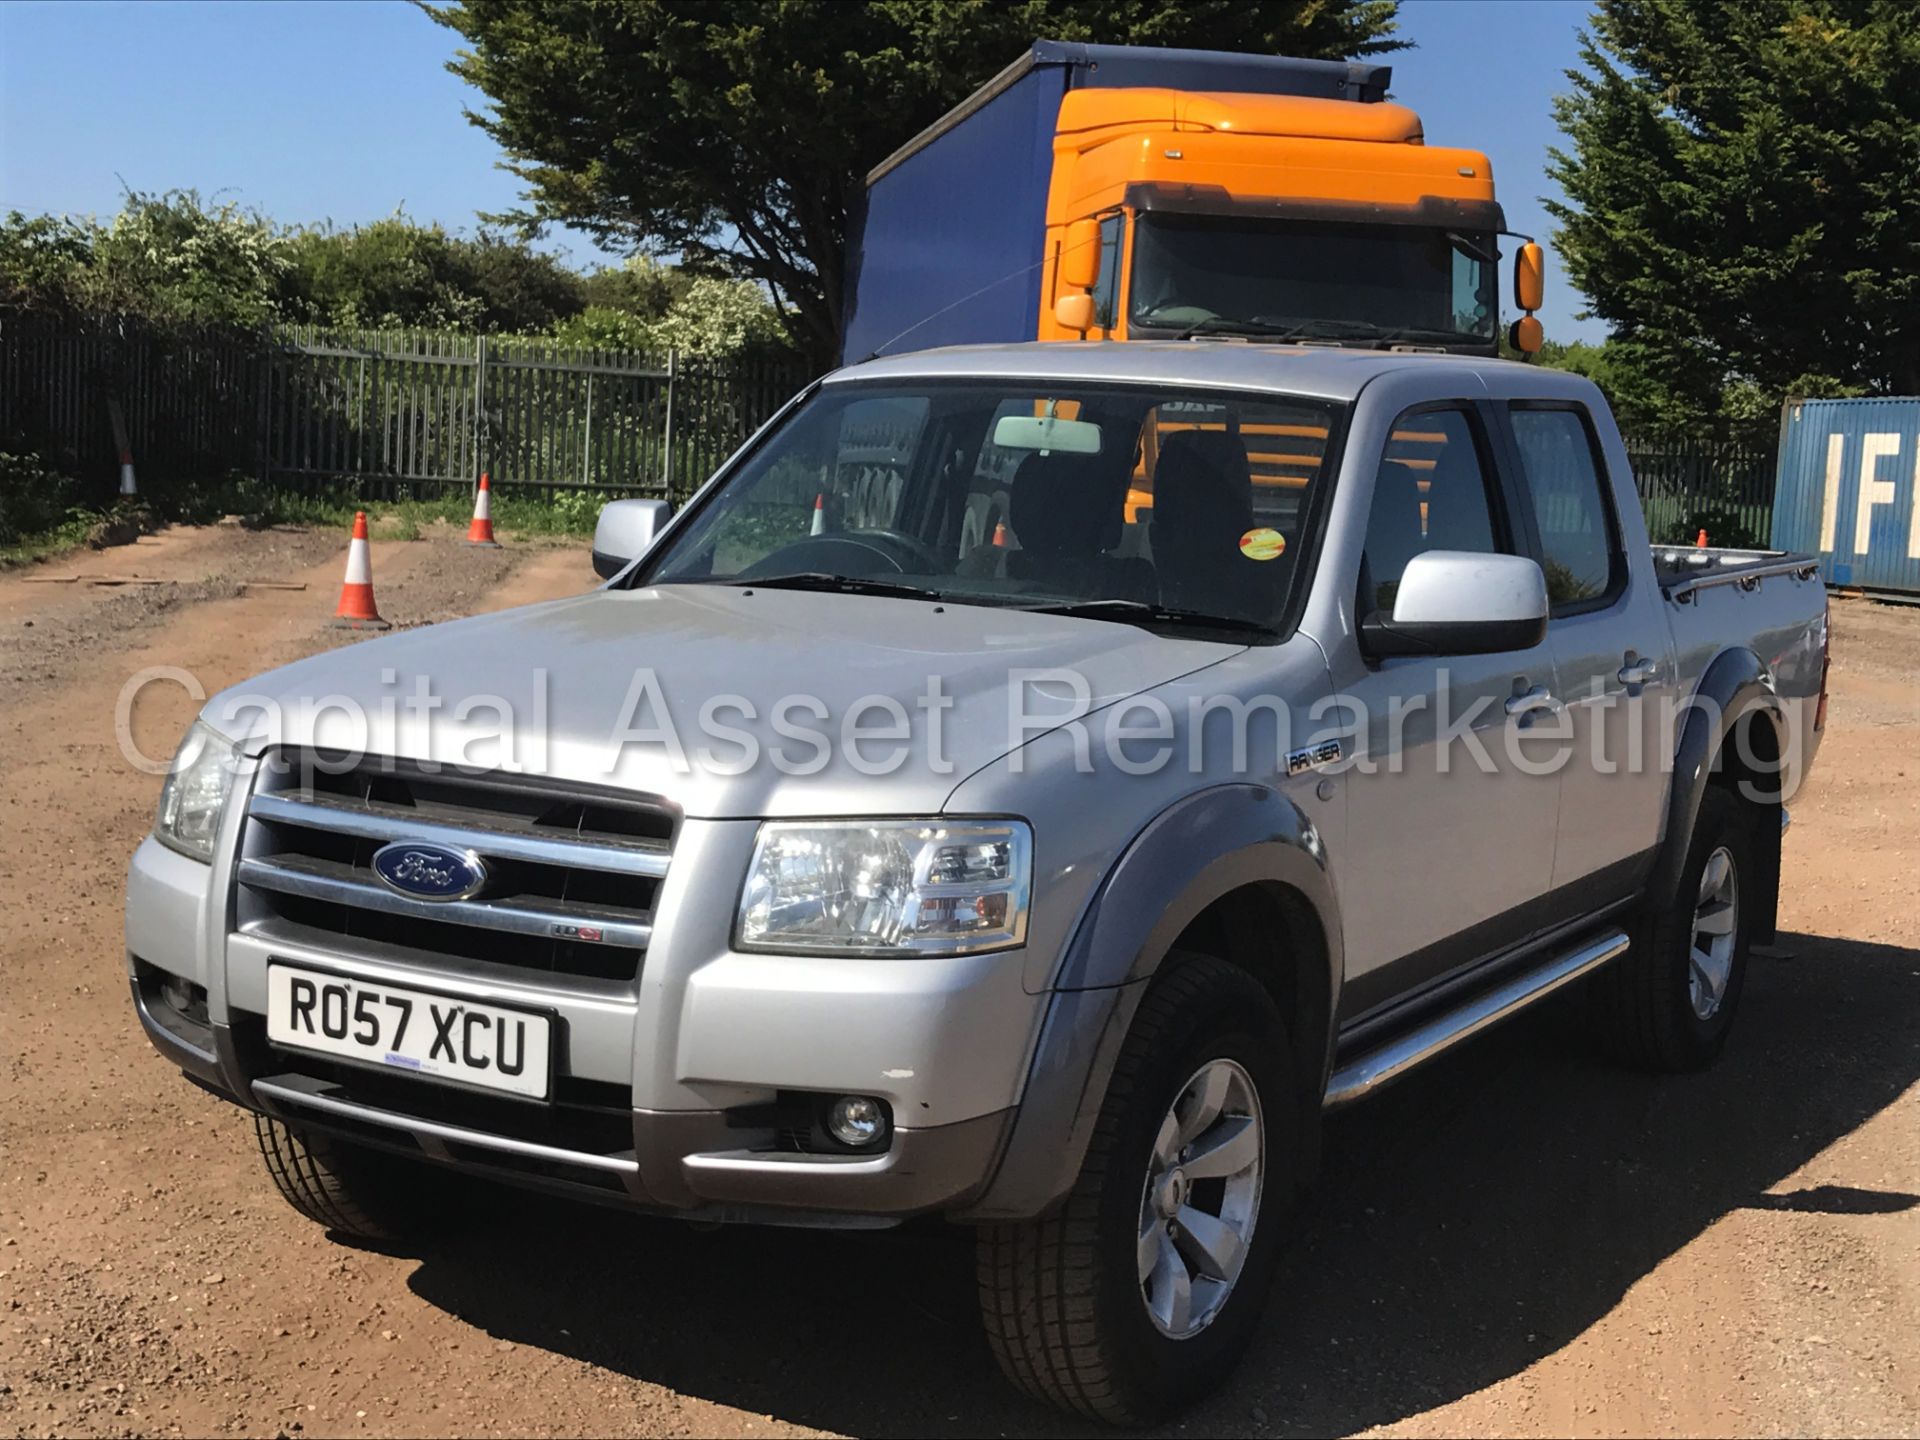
1723,488
388,415
393,415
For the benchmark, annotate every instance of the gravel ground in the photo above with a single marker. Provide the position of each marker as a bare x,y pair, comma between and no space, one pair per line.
1521,1241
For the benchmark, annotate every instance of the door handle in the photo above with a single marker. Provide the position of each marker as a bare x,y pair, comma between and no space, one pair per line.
1537,698
1637,671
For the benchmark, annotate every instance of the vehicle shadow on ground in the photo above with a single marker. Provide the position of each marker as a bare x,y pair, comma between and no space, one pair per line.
1468,1223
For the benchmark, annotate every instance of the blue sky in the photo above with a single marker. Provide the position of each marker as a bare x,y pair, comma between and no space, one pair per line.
342,110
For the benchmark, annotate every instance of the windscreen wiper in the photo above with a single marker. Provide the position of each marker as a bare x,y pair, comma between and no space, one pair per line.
1142,612
1381,335
836,584
1227,325
1322,329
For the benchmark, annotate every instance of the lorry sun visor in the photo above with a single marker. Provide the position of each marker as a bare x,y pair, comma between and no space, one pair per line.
1433,211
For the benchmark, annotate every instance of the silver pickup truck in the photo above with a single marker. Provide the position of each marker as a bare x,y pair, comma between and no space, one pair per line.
1028,786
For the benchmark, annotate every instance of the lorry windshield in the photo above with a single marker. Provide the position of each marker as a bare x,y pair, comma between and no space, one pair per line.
1311,279
1157,506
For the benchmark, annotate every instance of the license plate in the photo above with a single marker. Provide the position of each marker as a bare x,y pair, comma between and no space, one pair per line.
406,1029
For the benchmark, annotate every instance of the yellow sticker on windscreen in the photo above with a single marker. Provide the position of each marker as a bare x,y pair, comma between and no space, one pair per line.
1262,544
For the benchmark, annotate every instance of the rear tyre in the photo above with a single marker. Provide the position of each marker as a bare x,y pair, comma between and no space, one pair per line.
360,1193
1140,1294
1668,1004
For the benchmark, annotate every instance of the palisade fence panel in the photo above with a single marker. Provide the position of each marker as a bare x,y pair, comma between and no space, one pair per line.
1724,488
383,415
387,415
189,400
417,416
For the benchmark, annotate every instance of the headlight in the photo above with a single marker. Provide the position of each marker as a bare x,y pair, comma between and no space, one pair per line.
195,792
887,887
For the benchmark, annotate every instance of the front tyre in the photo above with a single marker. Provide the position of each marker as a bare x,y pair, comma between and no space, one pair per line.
358,1193
1140,1294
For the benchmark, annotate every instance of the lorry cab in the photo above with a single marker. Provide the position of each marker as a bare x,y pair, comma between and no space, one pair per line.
1119,193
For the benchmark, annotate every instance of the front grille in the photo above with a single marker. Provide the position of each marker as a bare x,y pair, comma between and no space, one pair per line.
572,873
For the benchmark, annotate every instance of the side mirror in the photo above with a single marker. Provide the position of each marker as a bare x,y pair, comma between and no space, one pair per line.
1529,276
1456,602
625,531
1080,256
1074,312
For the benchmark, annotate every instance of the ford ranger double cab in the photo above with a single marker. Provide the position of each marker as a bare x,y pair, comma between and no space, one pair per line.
833,863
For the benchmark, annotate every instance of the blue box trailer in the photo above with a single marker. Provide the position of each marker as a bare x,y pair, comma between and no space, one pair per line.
961,209
1848,490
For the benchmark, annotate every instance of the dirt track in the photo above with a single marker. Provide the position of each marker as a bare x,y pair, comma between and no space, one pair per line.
1521,1241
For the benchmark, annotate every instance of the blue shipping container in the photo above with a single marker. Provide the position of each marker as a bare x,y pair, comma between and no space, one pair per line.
1849,490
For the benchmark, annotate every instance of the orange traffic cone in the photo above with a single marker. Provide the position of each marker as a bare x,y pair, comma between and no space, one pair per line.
819,516
356,609
480,532
1000,538
1701,543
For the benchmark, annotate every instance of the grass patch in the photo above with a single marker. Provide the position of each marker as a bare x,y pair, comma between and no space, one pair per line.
570,514
69,534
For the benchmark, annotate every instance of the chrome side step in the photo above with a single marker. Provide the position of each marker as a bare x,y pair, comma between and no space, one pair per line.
1363,1075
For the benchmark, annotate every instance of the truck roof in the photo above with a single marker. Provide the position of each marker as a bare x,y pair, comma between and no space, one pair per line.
1130,66
1320,371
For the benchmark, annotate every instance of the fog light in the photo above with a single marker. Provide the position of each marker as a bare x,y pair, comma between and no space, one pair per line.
857,1121
184,998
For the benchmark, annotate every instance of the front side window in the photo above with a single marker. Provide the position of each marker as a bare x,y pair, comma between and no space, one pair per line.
1024,495
1578,542
1106,289
1433,491
1311,279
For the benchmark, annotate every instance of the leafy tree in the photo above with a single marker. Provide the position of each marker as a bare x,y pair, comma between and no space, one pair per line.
45,265
1743,199
399,274
169,259
738,135
642,287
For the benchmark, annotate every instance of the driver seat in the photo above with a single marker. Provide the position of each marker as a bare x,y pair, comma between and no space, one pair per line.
1067,513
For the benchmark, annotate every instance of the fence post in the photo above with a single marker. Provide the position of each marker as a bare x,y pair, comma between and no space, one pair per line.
666,448
586,448
480,456
263,404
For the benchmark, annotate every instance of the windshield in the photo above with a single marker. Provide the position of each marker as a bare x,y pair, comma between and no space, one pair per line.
1154,506
1313,279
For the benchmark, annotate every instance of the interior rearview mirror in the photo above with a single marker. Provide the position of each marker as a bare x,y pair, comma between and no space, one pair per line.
1529,276
1080,256
1047,434
1074,312
625,531
1457,602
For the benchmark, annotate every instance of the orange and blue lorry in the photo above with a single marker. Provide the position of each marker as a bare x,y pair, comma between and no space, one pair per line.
1128,192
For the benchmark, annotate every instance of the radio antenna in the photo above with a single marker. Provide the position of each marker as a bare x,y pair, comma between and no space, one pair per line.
990,285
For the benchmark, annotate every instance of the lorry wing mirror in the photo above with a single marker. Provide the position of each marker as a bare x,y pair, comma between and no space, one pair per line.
1529,276
1074,312
1080,257
624,532
1457,602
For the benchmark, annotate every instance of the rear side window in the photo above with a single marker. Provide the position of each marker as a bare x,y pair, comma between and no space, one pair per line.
1579,544
1432,493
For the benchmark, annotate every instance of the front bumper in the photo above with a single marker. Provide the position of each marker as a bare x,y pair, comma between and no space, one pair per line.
663,1083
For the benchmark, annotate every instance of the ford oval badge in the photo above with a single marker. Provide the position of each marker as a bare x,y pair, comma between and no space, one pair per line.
427,871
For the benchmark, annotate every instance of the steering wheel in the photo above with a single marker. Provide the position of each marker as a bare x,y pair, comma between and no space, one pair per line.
849,552
915,548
